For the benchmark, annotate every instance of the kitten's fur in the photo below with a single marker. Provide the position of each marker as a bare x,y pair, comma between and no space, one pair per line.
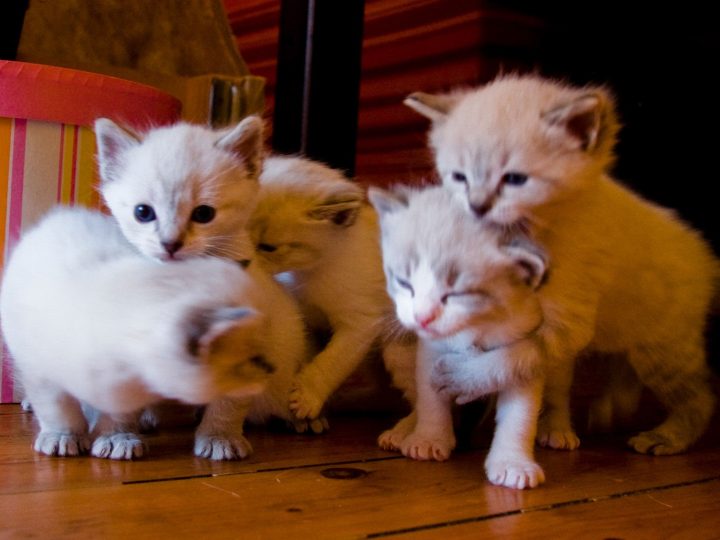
87,319
469,294
196,186
628,276
311,223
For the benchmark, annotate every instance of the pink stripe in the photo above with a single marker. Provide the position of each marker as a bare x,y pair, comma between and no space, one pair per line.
58,196
16,182
73,177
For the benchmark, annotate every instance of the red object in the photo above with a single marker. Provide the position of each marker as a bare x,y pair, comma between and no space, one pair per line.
70,96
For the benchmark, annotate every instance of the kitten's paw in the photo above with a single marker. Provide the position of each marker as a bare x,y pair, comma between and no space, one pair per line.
514,473
25,405
304,402
118,446
658,444
149,420
423,448
559,439
61,444
315,425
218,447
391,439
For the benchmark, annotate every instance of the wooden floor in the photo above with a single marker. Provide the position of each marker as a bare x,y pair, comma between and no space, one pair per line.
340,485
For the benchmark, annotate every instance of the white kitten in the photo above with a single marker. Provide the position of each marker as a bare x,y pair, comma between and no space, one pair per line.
182,190
87,319
472,302
312,226
628,276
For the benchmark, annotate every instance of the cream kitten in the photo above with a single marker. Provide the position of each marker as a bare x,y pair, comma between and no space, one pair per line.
475,312
628,276
312,227
87,319
183,190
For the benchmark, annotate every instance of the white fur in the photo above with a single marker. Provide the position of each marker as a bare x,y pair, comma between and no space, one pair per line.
312,227
88,319
628,276
475,312
175,170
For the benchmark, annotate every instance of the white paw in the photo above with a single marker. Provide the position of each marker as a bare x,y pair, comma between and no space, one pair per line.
514,473
423,448
149,420
118,446
222,448
652,442
305,403
61,444
315,425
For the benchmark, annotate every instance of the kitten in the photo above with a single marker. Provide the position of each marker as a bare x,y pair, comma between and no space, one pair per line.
313,229
475,312
629,277
88,319
183,190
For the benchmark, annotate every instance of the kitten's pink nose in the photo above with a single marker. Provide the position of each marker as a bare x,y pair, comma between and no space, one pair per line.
426,319
172,247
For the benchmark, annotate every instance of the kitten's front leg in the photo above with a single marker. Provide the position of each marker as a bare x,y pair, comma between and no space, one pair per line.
117,437
324,374
510,461
220,433
63,428
433,437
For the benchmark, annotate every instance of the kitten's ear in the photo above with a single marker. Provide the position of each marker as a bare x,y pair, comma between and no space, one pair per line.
530,262
387,202
434,107
341,206
112,141
585,123
245,141
205,327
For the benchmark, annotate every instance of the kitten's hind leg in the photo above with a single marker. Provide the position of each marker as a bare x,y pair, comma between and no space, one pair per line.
63,428
220,433
555,427
117,437
679,377
392,438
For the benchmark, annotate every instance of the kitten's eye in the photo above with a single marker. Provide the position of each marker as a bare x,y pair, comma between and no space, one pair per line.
514,178
203,214
267,247
144,213
405,285
459,177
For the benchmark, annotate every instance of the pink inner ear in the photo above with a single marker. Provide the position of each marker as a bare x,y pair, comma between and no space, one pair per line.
584,128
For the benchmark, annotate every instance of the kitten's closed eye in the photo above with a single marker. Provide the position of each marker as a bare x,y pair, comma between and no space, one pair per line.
144,213
470,294
405,285
269,248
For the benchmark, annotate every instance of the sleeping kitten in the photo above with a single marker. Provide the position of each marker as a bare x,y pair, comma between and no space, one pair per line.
88,320
312,228
628,276
183,190
475,312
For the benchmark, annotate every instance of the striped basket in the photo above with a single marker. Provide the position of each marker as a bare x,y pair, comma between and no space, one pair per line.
47,148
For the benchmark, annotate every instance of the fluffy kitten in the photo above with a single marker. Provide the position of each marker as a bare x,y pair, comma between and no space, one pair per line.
472,301
628,276
312,227
87,319
182,190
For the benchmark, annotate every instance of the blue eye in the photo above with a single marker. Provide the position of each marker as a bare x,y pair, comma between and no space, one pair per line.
144,213
203,214
459,177
514,178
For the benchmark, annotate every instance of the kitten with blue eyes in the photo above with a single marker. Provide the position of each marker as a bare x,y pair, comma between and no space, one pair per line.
469,292
629,277
182,190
